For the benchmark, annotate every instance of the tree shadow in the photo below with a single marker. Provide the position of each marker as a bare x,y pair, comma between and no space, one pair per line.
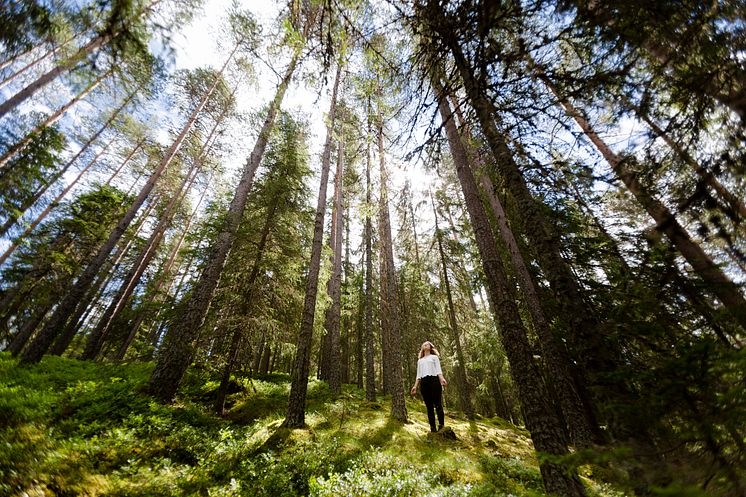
278,437
382,435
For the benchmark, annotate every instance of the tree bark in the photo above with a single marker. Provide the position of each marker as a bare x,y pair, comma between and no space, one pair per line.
53,204
65,66
264,365
296,412
24,334
15,57
359,327
333,314
389,302
501,407
40,193
100,333
52,74
546,431
178,349
581,425
346,331
31,64
596,354
97,337
383,316
370,372
165,275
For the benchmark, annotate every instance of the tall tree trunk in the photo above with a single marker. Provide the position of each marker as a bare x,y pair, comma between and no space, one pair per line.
296,412
67,306
546,430
578,413
165,275
264,365
67,65
416,242
50,120
579,417
30,326
12,218
49,76
460,271
463,382
404,315
370,372
13,298
258,351
359,327
333,314
275,356
383,316
178,350
12,59
501,407
716,280
346,331
97,337
27,329
389,303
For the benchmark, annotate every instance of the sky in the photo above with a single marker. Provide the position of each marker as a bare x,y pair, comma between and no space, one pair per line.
198,44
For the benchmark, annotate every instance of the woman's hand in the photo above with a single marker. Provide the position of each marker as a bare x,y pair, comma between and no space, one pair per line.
443,381
413,392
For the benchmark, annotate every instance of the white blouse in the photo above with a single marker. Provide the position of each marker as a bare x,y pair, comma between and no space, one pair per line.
428,365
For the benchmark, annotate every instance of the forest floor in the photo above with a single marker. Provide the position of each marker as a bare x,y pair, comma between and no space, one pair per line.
69,427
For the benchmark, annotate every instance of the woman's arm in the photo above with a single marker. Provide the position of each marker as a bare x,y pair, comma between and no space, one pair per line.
414,388
442,379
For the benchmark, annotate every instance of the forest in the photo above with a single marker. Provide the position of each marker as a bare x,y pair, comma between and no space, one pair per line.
227,227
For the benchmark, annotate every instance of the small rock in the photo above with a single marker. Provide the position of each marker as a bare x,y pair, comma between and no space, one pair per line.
448,433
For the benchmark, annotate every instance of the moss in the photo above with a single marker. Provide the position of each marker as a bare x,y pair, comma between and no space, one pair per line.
80,428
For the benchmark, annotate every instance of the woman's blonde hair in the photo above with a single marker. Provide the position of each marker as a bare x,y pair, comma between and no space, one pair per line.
433,350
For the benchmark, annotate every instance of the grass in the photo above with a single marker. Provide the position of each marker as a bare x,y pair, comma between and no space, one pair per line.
77,428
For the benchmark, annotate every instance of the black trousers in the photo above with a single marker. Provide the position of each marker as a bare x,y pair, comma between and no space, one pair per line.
432,393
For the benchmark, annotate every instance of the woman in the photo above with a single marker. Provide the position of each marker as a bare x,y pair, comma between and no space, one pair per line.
430,376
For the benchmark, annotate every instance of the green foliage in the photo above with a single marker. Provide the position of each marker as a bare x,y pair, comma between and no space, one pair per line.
22,24
511,475
30,169
73,427
376,474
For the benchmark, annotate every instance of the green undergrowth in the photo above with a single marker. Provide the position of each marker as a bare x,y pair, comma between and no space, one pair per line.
69,427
